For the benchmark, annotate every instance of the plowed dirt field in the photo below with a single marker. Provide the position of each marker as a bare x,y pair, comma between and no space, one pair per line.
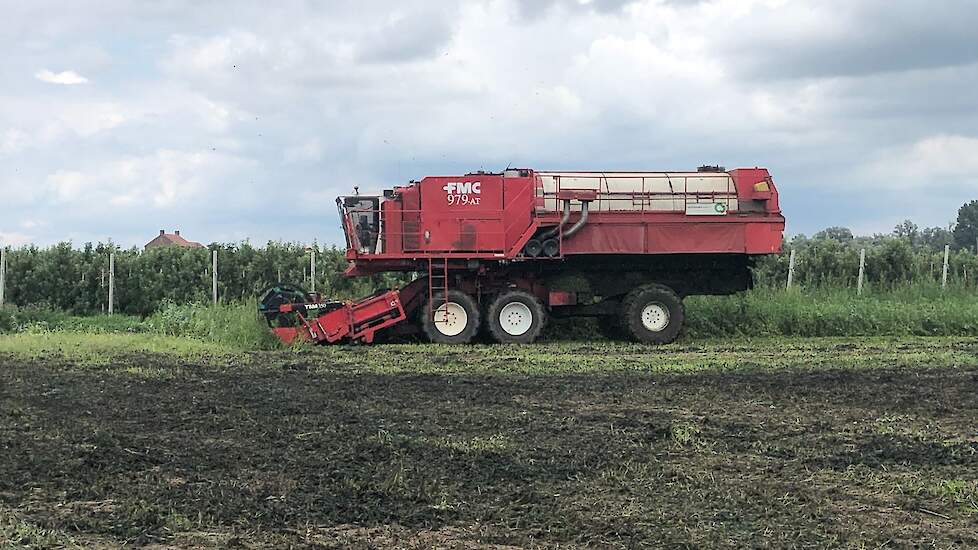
771,443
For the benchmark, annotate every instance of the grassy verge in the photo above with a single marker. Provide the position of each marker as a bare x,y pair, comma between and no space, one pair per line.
234,325
102,348
918,311
544,358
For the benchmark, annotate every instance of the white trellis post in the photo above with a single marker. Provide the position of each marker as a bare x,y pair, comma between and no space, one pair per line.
3,273
214,275
111,282
312,270
947,251
862,270
791,267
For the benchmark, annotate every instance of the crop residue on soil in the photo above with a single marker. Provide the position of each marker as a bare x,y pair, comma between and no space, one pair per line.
274,449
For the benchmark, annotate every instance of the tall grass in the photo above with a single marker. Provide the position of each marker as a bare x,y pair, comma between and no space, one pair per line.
236,324
44,319
920,310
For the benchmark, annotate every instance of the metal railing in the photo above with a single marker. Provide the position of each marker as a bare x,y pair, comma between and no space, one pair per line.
661,192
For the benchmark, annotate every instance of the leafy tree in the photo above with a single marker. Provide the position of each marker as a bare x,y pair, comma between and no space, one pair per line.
966,228
908,231
838,234
934,238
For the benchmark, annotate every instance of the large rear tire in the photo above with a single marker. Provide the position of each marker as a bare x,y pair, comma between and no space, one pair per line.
515,317
652,314
456,321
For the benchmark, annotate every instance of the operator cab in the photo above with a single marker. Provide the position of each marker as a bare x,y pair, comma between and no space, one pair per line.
361,221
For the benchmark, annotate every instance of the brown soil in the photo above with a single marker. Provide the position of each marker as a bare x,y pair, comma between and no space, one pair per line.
268,452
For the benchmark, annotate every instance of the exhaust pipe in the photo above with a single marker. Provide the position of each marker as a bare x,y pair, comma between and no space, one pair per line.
563,221
580,223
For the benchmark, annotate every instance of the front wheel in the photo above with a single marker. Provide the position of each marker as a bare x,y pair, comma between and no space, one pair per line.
652,314
454,320
515,317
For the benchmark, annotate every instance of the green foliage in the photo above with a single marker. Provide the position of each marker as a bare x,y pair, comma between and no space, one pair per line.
908,231
934,238
76,280
41,318
910,256
923,310
838,234
966,229
236,324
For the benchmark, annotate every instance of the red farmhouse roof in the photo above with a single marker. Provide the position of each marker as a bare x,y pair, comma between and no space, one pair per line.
171,239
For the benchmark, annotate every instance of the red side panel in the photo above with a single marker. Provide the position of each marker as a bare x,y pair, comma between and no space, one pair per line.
462,214
607,238
519,198
290,335
679,236
745,180
764,238
698,237
332,326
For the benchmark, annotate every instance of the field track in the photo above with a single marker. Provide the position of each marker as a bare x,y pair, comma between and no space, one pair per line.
111,439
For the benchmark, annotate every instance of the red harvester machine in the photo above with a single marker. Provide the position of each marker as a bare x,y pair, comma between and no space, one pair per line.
499,253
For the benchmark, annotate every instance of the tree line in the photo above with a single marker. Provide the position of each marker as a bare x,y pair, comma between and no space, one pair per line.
76,279
907,255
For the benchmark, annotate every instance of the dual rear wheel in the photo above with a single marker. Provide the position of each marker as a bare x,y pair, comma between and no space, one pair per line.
513,316
651,314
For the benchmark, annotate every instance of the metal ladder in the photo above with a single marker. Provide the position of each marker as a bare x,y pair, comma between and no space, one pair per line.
437,282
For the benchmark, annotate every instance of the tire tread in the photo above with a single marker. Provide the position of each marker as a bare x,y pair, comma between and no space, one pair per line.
631,318
496,331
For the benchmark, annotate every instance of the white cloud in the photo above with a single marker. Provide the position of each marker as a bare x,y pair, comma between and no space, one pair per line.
12,141
309,151
68,185
15,239
91,118
163,179
230,109
64,77
934,161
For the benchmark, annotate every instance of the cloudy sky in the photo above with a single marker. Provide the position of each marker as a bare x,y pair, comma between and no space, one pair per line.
236,120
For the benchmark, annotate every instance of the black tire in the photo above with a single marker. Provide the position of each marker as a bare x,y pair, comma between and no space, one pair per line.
538,317
533,248
551,248
635,304
468,332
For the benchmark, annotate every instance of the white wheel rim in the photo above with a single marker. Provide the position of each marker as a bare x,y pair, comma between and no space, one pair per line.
515,318
451,319
655,317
